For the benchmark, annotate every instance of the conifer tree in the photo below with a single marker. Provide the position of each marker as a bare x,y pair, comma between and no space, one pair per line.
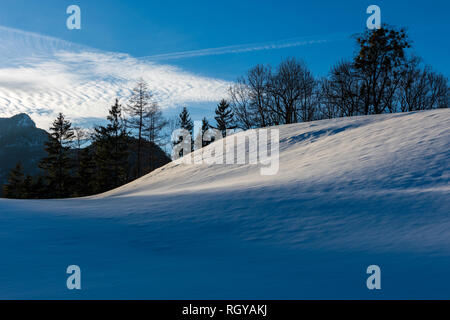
58,164
111,152
39,188
185,122
14,186
224,117
86,174
28,188
205,127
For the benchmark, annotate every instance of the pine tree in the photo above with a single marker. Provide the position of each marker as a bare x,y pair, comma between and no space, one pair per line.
57,165
111,151
185,122
86,174
205,127
14,187
40,188
137,108
224,117
28,187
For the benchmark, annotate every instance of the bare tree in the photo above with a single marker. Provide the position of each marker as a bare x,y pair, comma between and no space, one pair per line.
439,92
240,103
249,98
81,137
306,109
154,124
291,90
137,109
422,89
340,93
258,80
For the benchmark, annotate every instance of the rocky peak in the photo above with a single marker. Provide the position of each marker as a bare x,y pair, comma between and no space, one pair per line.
23,120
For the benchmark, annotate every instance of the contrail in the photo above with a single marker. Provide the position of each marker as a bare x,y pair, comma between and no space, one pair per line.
281,44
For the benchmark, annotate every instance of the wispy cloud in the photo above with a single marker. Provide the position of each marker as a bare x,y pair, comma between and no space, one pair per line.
19,46
42,76
280,44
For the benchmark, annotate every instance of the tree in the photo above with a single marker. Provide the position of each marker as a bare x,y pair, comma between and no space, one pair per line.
57,165
28,187
154,125
205,127
241,105
380,62
111,152
87,176
258,79
224,117
306,110
340,92
138,107
291,92
80,137
14,188
199,139
40,190
266,98
184,122
250,99
422,89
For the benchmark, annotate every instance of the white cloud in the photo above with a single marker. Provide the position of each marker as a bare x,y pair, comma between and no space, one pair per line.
42,76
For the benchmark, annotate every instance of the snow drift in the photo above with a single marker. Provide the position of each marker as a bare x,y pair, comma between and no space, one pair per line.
349,193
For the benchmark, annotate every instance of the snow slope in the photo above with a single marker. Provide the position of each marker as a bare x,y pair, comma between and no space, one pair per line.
349,193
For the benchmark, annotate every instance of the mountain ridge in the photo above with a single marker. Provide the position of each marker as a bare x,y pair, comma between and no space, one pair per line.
20,141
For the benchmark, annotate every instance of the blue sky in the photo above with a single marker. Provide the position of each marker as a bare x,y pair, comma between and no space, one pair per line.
41,75
146,28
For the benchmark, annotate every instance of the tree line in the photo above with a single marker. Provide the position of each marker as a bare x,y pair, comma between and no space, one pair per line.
382,77
124,149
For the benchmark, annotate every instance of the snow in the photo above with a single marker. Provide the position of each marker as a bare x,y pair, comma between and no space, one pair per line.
349,193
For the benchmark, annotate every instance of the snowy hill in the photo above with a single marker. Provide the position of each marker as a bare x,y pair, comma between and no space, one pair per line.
349,193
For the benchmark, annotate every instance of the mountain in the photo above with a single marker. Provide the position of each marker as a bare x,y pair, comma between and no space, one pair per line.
349,193
20,141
